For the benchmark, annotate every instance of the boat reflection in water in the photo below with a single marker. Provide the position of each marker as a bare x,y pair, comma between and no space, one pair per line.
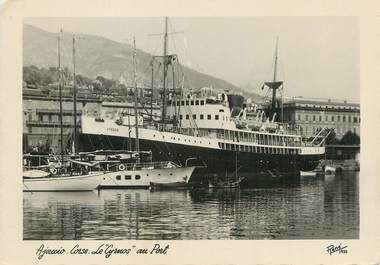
313,208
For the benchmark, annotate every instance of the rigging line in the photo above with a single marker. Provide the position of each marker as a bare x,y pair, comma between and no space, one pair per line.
178,72
173,38
184,75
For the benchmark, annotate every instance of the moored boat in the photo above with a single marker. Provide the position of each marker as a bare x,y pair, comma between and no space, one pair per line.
141,175
86,182
308,173
169,186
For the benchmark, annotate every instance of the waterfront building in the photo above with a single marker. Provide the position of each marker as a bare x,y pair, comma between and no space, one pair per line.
310,114
41,116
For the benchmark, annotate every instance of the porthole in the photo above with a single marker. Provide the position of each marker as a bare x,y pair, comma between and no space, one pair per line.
118,177
137,177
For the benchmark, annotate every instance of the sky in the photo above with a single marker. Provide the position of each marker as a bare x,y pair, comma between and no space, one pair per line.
317,56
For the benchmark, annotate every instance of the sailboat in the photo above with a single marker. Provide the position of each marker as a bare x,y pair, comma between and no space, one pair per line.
56,176
229,183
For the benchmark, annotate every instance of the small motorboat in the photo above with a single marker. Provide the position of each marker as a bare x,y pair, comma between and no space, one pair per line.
228,184
329,170
308,173
168,186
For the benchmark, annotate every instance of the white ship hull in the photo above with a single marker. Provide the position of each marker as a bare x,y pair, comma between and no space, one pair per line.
142,178
70,183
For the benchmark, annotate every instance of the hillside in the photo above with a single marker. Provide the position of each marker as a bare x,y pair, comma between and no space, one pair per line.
98,56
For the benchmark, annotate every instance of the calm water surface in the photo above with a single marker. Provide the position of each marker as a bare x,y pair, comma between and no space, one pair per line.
315,208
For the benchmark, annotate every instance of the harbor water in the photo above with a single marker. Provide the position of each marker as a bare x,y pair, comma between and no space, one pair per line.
322,207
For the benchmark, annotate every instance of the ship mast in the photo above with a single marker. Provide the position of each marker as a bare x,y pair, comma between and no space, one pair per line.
75,101
165,74
275,77
274,85
137,147
60,92
151,87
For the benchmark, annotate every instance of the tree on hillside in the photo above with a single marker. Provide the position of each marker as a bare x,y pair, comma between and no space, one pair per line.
31,75
36,76
331,138
103,83
350,138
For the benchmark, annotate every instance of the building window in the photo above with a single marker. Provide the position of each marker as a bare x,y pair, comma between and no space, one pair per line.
127,177
201,116
332,118
307,117
192,102
338,118
320,118
137,177
299,117
182,103
355,119
209,116
180,116
187,103
313,117
118,177
216,117
349,118
197,102
187,116
326,118
194,116
202,102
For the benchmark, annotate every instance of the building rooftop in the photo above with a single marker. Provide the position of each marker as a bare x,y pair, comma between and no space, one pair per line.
324,101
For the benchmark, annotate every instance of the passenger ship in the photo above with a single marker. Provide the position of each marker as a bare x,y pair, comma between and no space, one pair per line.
212,131
204,129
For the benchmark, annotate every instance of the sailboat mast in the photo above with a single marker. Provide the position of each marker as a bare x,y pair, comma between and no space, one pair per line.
60,92
137,147
151,87
165,74
275,77
75,101
175,96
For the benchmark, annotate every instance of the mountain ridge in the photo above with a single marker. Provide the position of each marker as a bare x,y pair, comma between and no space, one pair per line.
99,56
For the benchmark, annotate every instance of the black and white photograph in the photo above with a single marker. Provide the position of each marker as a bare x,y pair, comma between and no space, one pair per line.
190,128
178,132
